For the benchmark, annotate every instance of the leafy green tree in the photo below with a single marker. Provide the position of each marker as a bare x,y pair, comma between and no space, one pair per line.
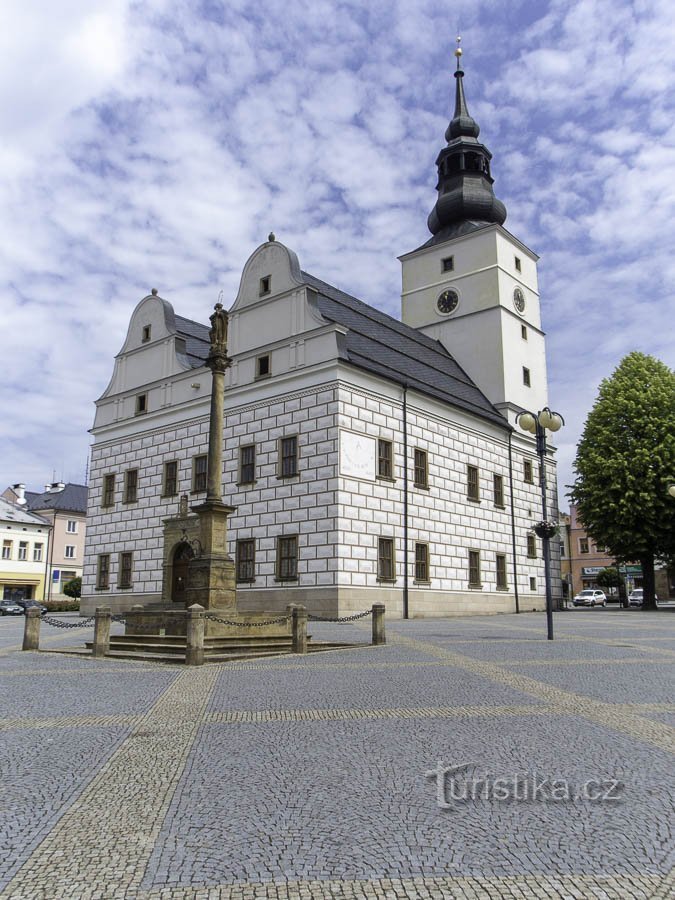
73,588
625,462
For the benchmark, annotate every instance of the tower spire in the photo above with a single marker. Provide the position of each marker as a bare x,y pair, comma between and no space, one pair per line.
465,196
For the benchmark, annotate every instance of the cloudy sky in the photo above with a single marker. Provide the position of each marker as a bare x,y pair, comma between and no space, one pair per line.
155,143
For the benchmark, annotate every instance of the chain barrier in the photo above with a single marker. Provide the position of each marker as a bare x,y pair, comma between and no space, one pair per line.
353,618
247,624
59,623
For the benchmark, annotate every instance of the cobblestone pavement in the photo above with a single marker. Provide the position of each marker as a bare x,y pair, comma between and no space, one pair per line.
467,758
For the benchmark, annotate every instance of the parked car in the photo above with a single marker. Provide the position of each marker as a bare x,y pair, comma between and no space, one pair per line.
10,608
636,597
590,597
27,604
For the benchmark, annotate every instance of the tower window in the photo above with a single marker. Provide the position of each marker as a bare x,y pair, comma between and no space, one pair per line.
448,264
141,404
265,285
523,332
517,262
526,377
146,333
262,366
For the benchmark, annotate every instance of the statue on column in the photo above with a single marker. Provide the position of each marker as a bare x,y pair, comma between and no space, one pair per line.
218,332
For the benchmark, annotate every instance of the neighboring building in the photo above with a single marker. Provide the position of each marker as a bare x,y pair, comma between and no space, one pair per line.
366,458
564,524
24,544
64,506
586,559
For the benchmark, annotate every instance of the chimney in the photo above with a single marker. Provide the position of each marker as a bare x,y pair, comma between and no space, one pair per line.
20,491
56,486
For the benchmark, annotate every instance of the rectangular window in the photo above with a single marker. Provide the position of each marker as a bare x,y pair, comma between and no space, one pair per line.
246,560
265,285
385,455
131,486
531,546
583,545
37,553
287,558
498,484
71,526
262,366
247,464
385,559
170,483
472,492
523,332
528,472
108,498
533,583
6,549
448,264
421,469
526,377
288,457
141,404
147,330
199,464
421,562
103,572
70,551
517,262
474,568
23,549
125,566
500,564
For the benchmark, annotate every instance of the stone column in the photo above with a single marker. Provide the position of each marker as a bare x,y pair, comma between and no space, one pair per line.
102,620
299,620
218,361
31,629
194,649
378,624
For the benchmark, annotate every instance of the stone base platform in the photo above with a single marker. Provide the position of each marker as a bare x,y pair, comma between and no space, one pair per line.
168,620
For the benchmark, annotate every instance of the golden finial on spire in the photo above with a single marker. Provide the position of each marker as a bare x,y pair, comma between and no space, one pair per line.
458,51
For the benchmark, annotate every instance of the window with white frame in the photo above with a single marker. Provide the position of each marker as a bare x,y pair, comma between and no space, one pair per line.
71,527
70,551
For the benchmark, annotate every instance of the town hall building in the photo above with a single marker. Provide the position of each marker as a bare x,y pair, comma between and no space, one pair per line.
365,458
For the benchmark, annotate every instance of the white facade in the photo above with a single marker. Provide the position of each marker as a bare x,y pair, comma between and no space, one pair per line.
337,505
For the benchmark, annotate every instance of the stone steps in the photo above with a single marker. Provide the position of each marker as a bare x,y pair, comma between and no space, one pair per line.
171,648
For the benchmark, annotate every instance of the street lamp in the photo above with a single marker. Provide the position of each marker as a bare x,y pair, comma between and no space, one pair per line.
537,424
671,490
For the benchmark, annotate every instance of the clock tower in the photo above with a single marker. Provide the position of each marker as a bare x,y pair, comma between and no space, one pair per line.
473,285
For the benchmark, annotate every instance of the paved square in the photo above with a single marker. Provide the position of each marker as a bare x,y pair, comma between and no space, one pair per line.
313,776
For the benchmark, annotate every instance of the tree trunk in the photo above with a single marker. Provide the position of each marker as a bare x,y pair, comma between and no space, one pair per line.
648,589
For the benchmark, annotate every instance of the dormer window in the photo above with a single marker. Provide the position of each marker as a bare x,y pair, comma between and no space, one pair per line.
146,333
141,404
265,285
448,264
262,366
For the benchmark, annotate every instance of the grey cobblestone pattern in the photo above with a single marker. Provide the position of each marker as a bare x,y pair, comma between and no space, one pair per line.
290,778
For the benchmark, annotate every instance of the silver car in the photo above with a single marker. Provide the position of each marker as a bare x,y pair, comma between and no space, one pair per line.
590,597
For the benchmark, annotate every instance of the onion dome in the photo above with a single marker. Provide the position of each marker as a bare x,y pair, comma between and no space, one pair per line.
465,196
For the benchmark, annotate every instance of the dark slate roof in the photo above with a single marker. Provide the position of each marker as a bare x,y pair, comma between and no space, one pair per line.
196,338
73,498
381,344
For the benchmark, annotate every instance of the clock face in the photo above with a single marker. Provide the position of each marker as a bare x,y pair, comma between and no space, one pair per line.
448,302
519,300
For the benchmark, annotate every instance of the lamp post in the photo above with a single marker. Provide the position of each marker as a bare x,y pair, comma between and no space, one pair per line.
537,424
671,490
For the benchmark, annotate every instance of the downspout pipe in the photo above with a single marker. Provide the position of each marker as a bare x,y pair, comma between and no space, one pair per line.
513,526
405,501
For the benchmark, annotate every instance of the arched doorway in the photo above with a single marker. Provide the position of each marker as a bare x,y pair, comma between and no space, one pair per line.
179,571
